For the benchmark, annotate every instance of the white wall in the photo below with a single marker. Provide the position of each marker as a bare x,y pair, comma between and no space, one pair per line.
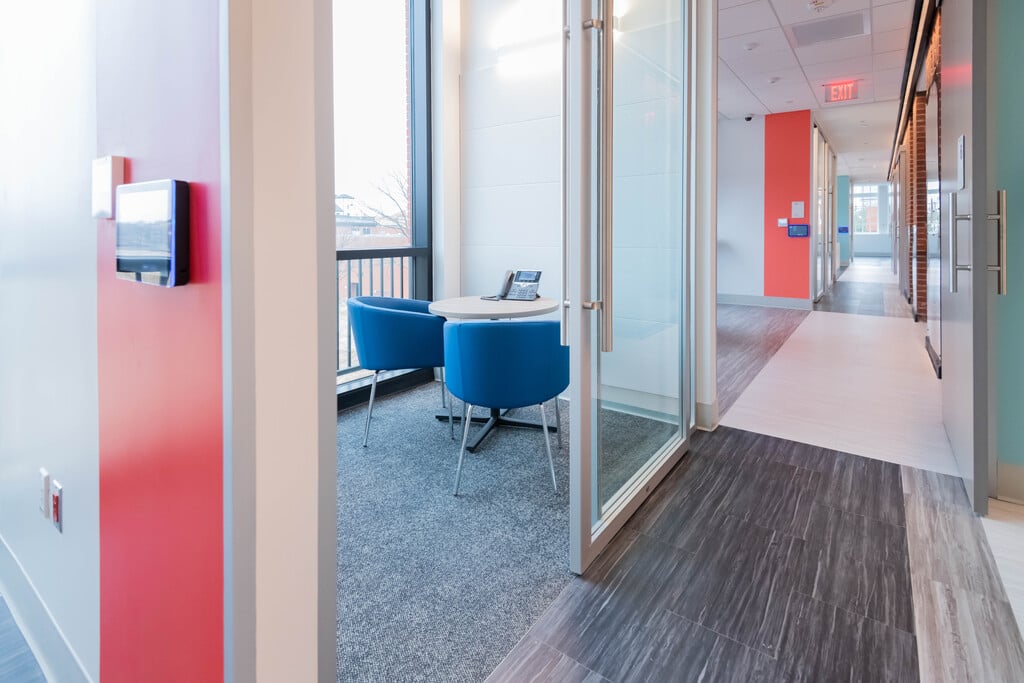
865,244
741,207
48,338
510,123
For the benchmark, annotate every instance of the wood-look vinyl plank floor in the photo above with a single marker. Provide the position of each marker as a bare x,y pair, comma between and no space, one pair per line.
717,578
826,643
964,623
859,564
748,336
870,269
864,298
841,568
17,663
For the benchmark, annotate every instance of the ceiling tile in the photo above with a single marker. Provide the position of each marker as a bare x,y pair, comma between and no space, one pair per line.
848,48
769,40
892,17
889,76
755,16
791,12
895,59
759,62
726,4
844,69
781,80
890,41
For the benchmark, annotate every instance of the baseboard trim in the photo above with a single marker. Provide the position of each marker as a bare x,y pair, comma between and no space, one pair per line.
766,301
706,418
933,356
51,649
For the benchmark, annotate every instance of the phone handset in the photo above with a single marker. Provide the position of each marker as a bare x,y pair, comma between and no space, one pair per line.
506,285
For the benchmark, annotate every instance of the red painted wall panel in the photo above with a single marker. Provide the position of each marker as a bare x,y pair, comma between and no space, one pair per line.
787,179
160,379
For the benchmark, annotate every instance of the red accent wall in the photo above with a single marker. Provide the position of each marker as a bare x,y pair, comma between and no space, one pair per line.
787,179
160,379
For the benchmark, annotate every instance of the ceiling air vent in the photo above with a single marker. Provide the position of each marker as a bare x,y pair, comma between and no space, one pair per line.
833,28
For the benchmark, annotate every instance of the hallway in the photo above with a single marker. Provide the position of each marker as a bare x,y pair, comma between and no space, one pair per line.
866,287
853,376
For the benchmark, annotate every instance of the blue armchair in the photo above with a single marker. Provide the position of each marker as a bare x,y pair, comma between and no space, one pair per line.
498,364
395,334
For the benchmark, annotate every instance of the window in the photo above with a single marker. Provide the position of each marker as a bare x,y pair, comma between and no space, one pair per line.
381,162
870,209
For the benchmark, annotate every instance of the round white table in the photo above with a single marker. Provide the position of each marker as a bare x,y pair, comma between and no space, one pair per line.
473,307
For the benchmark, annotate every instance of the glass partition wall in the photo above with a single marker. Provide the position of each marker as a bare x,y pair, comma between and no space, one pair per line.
823,173
628,262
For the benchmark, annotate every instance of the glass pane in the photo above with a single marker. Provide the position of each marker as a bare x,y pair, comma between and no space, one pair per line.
639,406
371,124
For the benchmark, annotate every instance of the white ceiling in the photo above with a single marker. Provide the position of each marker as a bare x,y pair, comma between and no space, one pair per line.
762,70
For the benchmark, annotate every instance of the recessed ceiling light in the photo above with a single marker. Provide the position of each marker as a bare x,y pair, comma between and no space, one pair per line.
773,79
750,47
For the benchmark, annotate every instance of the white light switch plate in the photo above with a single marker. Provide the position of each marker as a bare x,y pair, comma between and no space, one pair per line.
107,174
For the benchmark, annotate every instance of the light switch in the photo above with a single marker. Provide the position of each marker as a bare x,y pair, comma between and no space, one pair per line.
44,499
107,174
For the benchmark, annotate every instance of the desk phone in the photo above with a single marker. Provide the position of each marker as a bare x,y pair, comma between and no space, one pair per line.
518,285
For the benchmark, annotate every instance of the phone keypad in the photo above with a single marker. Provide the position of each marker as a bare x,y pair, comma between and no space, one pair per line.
523,292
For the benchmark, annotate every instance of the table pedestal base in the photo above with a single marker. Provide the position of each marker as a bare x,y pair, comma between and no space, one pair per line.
495,419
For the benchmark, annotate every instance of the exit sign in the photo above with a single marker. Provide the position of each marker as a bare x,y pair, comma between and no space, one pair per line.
841,92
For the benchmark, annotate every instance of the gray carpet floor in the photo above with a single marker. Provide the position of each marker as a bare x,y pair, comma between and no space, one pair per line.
437,588
432,587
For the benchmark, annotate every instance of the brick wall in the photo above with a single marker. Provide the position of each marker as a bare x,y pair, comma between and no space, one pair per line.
914,193
918,190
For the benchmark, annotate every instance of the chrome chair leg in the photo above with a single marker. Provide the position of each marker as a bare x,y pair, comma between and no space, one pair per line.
547,444
369,413
462,451
442,388
451,420
558,423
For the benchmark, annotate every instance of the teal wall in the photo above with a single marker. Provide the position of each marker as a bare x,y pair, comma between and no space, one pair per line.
1009,167
843,216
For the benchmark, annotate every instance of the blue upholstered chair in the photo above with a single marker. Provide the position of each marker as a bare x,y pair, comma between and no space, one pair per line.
499,364
395,334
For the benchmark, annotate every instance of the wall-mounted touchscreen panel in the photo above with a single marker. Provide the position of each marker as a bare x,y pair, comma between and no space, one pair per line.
152,232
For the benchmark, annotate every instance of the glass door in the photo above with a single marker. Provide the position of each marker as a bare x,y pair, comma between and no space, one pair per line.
818,212
632,403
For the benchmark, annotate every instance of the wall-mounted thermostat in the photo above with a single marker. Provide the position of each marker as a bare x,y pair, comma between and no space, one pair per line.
799,230
153,232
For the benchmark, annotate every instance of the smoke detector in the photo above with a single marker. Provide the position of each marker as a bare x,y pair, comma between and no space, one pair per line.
818,6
